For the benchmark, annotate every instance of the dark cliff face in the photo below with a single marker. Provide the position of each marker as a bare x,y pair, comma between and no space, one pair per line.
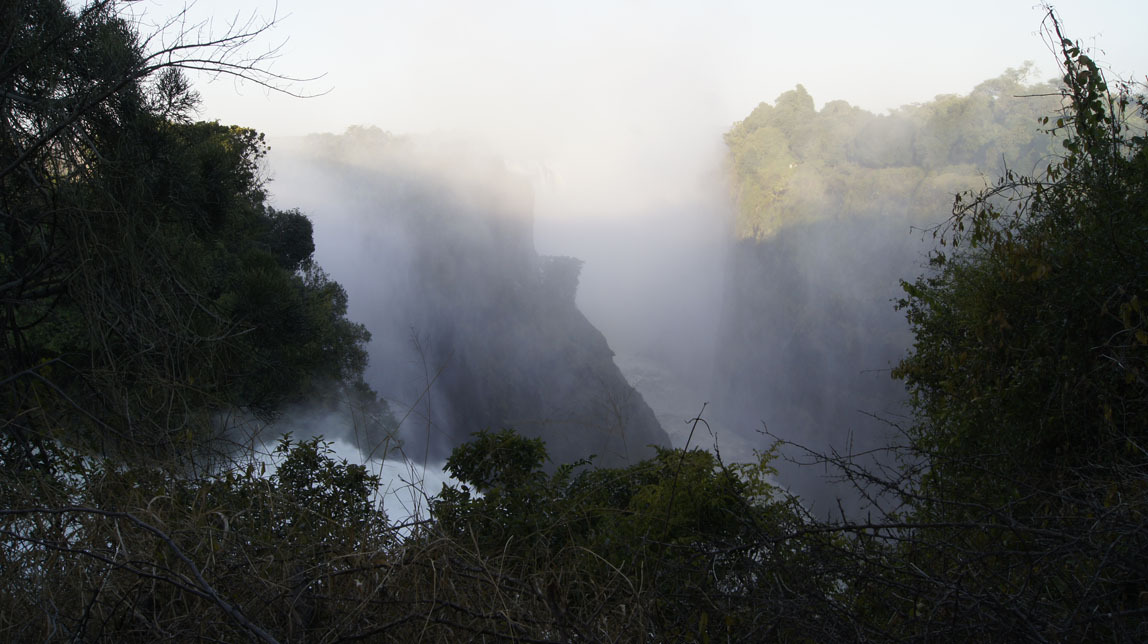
544,370
472,329
810,333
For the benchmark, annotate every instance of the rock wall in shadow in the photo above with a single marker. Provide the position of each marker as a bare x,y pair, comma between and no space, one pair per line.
810,334
472,329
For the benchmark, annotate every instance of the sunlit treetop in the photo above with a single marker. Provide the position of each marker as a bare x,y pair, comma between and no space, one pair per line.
791,164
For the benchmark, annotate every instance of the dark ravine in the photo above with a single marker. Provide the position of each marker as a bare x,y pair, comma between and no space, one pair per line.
810,333
472,329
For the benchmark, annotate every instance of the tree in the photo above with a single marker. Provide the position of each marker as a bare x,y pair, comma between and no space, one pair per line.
1029,336
114,552
146,292
792,165
677,547
145,285
1027,379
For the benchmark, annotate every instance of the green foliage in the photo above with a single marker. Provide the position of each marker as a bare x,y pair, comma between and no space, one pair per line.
502,487
288,238
121,553
1027,330
678,548
704,542
1028,381
793,165
145,284
497,463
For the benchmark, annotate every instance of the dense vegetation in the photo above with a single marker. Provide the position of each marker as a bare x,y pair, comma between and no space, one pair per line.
830,208
149,295
147,290
147,287
794,165
1027,376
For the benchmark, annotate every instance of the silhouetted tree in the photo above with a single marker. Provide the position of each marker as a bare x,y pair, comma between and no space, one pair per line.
144,283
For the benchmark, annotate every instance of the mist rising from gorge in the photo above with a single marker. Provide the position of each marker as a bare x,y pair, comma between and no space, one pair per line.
472,328
655,282
755,276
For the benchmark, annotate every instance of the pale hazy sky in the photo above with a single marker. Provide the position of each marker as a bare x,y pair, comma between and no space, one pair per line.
420,66
610,86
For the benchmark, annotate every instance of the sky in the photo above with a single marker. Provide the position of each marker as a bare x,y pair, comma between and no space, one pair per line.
531,68
631,92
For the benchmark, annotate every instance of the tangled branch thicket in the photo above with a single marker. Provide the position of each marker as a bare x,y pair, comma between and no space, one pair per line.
238,554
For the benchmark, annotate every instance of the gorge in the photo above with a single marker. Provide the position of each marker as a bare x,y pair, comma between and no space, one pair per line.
767,295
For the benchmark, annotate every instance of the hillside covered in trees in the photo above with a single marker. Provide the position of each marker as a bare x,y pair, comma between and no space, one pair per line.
834,208
151,296
794,165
